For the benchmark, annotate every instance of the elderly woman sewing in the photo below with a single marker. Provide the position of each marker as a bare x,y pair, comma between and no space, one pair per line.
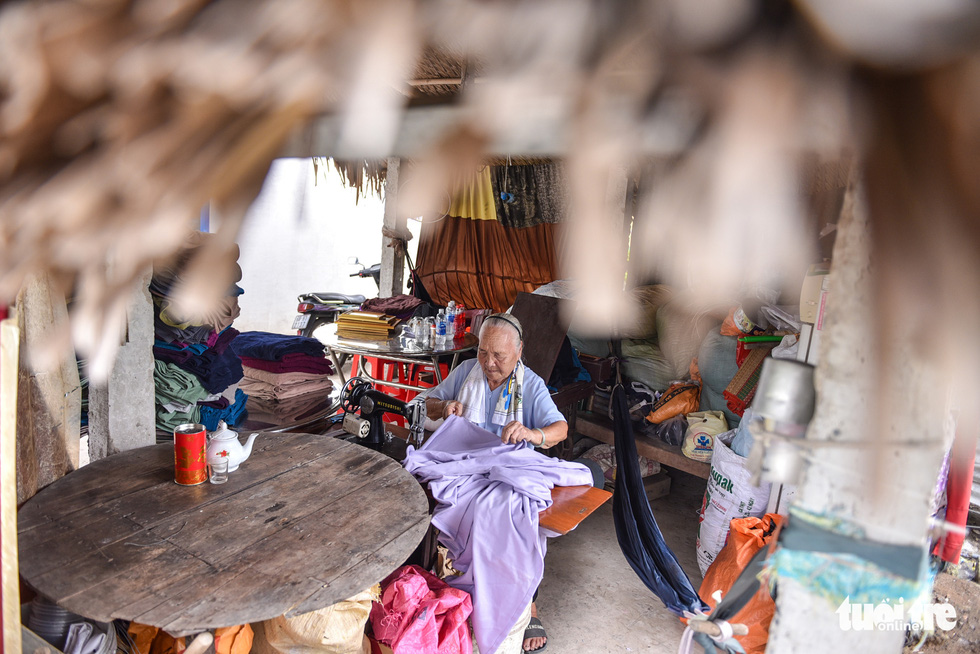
498,392
502,395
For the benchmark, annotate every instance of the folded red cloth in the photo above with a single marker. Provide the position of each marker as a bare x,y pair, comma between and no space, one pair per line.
296,362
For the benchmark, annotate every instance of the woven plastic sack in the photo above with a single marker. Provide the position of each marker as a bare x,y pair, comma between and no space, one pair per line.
730,495
335,629
682,324
702,427
680,398
419,612
648,300
746,537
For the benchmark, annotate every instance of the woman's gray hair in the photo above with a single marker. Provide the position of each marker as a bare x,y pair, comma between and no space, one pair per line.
497,319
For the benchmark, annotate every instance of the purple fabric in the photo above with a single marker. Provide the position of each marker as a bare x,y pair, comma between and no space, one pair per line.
220,342
168,334
221,403
488,498
172,356
400,306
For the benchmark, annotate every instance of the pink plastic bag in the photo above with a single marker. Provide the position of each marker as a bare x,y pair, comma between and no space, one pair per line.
419,612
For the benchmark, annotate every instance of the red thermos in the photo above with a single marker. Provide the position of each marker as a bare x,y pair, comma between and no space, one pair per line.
190,454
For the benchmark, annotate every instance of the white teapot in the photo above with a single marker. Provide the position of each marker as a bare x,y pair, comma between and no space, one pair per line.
224,443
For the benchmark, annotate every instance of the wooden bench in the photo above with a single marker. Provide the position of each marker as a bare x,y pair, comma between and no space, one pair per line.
570,506
601,428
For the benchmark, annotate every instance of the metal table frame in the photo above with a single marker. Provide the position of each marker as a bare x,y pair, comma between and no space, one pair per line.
346,348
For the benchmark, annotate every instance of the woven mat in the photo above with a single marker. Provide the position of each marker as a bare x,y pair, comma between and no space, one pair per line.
741,389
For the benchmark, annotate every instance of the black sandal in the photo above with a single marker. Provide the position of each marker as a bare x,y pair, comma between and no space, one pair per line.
535,630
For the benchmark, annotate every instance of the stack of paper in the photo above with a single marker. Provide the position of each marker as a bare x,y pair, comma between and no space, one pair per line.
367,325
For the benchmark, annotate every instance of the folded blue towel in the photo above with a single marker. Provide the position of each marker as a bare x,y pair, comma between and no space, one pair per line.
232,414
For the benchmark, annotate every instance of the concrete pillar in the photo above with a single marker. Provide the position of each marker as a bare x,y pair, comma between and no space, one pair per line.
121,412
861,398
392,258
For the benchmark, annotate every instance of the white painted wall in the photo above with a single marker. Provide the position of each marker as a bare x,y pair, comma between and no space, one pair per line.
298,236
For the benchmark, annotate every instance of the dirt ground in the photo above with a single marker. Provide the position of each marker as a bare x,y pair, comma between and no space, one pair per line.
958,586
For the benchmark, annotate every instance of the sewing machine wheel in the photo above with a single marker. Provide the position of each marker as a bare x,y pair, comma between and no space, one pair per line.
350,395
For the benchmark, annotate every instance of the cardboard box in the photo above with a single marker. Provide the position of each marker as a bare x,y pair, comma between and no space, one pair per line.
813,312
810,295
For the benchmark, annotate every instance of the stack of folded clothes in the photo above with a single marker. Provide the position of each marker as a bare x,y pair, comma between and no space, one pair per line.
177,395
287,378
192,355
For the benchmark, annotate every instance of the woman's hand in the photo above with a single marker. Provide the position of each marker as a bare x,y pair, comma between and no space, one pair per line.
515,432
452,408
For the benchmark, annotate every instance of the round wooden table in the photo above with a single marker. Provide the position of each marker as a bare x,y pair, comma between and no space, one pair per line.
305,522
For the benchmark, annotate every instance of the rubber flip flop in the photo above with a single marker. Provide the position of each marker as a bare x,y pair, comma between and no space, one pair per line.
535,630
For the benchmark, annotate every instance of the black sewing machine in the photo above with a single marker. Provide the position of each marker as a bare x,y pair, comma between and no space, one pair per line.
359,396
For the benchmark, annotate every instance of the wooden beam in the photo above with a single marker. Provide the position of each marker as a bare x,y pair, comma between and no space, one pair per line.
599,428
392,258
9,562
436,82
544,130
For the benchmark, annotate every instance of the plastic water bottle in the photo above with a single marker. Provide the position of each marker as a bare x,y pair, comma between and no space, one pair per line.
441,328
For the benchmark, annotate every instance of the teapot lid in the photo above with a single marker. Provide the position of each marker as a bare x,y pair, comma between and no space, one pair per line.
223,432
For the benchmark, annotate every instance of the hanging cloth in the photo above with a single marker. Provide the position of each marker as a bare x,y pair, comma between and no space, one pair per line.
636,529
472,196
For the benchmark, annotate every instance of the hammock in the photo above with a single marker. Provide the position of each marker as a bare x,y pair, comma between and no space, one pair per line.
636,529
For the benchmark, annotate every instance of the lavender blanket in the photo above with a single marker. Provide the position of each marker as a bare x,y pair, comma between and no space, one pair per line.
489,495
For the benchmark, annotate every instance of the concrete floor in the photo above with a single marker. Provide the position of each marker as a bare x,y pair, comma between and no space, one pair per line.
591,601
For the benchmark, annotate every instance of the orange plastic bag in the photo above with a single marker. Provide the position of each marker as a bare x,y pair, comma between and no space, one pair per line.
682,397
227,640
728,327
746,536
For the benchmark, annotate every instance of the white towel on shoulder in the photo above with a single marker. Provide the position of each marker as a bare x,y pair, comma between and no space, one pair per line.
510,404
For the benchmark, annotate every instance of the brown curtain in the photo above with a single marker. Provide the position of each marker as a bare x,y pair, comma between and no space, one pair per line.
483,264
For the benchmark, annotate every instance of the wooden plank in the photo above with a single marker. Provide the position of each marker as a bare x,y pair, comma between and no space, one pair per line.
106,585
384,558
82,491
544,322
64,541
600,428
570,506
9,581
34,644
319,546
153,493
392,258
154,500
